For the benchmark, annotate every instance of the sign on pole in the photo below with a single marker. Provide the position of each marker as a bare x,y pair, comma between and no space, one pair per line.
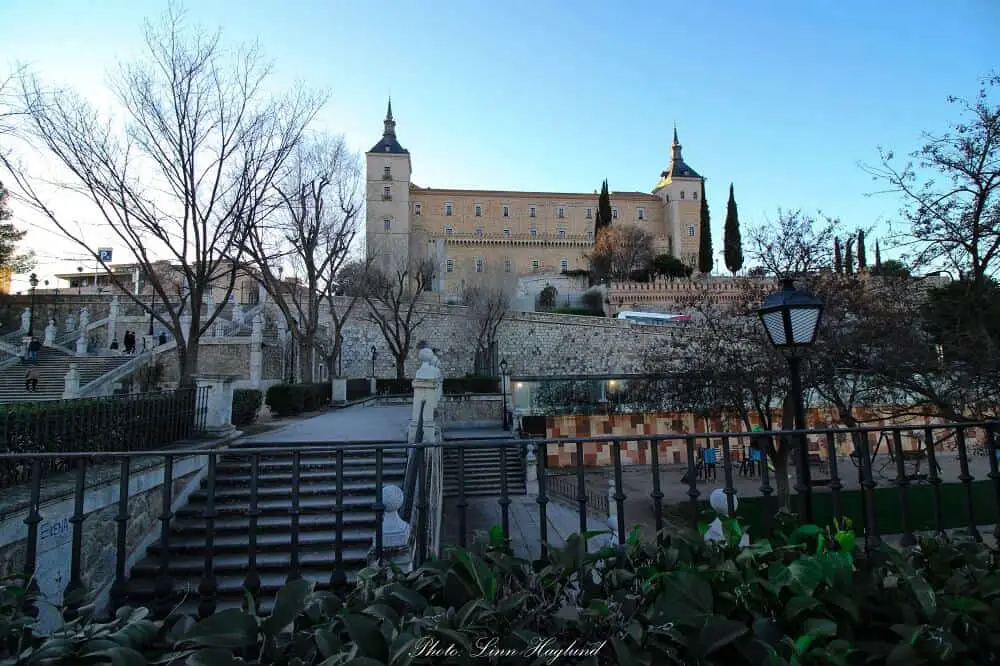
105,254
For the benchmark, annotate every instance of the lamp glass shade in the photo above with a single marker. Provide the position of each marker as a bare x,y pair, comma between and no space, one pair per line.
791,317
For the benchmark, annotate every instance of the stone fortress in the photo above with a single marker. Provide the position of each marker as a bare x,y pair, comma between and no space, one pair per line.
473,235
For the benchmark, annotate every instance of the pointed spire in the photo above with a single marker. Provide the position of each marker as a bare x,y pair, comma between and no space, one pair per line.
676,142
390,124
675,150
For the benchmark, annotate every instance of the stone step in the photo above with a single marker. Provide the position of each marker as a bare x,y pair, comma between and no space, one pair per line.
229,465
232,492
222,563
268,542
311,504
276,523
313,475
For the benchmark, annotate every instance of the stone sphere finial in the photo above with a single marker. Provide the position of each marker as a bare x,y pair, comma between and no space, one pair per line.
720,504
392,498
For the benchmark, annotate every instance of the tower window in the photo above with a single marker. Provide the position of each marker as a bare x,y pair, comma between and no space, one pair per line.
506,265
387,223
533,232
449,266
614,213
694,195
564,264
448,208
531,211
535,265
416,209
506,211
691,230
479,264
682,194
561,232
590,235
387,193
561,212
448,231
590,213
640,213
479,210
506,232
387,172
479,232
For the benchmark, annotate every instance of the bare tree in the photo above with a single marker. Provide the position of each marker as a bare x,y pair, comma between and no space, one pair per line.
310,233
186,176
489,300
342,296
794,245
953,215
392,295
624,250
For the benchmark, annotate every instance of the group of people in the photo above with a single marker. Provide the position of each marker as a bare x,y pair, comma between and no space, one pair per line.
129,341
31,356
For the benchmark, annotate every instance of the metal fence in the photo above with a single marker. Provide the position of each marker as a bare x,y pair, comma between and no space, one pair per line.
567,487
134,422
322,499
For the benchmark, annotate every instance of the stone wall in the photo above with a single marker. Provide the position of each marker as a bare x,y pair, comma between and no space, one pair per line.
456,410
100,530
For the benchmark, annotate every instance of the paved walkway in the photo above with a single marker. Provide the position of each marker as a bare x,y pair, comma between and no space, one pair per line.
360,423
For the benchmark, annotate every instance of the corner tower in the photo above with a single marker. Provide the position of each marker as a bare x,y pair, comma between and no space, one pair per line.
387,199
681,188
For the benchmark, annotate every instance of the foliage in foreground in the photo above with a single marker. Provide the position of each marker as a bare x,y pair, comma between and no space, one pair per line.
809,598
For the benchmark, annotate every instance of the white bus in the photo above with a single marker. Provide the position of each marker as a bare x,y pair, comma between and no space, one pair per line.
654,318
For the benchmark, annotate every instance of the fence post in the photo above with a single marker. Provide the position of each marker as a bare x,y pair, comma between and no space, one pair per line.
216,398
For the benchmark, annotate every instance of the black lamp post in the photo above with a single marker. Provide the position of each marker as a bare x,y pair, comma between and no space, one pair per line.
374,355
79,280
33,281
503,389
152,309
791,319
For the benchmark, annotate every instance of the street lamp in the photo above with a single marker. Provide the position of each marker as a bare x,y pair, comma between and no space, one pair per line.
79,280
503,389
33,281
374,355
791,319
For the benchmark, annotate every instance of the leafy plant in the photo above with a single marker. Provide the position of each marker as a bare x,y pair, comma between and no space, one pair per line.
246,403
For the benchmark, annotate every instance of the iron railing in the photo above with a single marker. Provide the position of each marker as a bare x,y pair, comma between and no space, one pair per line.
566,487
655,493
134,422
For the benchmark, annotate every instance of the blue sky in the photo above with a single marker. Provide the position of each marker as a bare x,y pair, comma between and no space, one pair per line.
782,98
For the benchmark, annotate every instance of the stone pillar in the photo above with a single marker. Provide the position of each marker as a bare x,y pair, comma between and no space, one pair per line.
84,319
612,491
70,323
425,392
186,326
531,472
395,530
114,312
238,317
372,386
261,295
26,319
81,344
215,403
50,333
72,386
338,386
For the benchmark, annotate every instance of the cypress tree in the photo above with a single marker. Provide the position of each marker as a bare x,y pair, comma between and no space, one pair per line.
732,241
838,259
705,240
878,258
849,257
603,209
862,257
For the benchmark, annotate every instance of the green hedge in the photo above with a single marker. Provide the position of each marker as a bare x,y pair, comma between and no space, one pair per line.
246,403
358,389
292,399
452,385
583,312
136,422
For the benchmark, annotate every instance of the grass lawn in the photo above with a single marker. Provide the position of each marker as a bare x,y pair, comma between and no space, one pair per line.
954,512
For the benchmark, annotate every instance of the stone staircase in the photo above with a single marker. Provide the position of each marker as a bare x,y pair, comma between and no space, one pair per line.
482,471
53,364
317,490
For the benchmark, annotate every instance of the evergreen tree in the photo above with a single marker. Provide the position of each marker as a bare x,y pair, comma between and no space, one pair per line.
705,241
10,236
838,259
603,218
732,241
849,256
878,258
862,257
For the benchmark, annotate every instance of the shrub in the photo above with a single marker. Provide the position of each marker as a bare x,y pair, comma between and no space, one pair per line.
585,312
394,386
594,301
292,399
246,404
358,389
470,384
547,297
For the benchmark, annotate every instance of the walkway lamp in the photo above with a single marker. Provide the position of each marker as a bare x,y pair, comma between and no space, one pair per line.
791,320
33,281
374,356
503,390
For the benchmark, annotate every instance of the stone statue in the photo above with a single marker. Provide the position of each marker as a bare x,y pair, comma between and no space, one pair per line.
26,319
257,334
715,534
81,345
70,323
428,365
238,316
84,318
50,333
115,308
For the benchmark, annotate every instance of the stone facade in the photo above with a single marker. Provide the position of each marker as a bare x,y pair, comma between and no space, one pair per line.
456,410
470,234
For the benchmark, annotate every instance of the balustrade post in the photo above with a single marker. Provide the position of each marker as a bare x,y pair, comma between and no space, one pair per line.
73,596
395,530
120,588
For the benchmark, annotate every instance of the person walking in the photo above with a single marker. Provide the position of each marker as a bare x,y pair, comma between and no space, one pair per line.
33,348
163,338
31,380
129,341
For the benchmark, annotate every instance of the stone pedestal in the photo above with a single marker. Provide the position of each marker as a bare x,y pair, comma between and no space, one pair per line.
50,333
71,389
395,530
81,345
215,404
26,319
339,390
531,472
372,386
425,393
